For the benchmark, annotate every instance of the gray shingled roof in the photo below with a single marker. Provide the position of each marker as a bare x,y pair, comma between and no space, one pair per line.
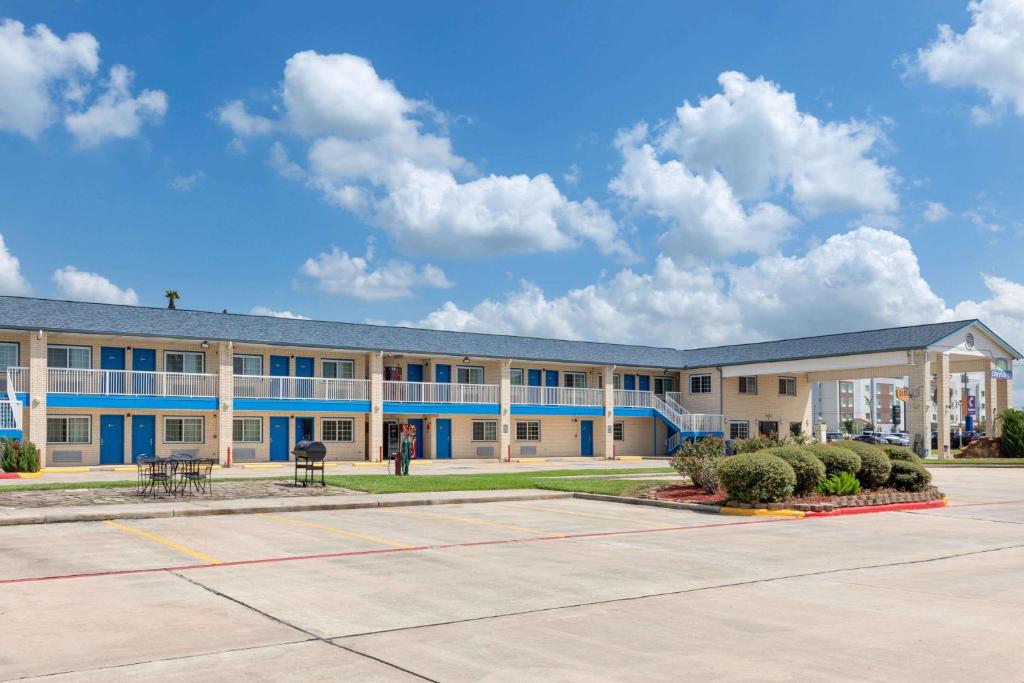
69,316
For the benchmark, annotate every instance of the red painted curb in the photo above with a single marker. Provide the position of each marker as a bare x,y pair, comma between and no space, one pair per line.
9,475
868,509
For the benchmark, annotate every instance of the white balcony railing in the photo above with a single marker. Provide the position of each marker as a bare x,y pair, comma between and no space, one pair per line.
130,383
556,396
440,392
633,399
17,380
683,421
7,415
316,388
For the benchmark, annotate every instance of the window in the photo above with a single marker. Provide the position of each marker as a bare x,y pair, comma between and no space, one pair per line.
66,430
663,385
795,428
739,429
619,432
338,429
339,369
183,430
748,385
700,384
60,356
787,386
9,355
485,430
246,364
247,430
469,374
528,431
516,376
768,428
185,361
616,381
577,380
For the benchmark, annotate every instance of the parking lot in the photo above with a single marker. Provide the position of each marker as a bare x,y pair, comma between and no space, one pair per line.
567,590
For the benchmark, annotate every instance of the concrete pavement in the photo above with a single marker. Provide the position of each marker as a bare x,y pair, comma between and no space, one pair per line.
566,590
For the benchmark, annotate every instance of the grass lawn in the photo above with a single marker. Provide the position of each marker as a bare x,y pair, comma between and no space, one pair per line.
976,462
589,481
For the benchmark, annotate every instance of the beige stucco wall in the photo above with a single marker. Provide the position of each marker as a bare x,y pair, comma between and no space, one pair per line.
768,405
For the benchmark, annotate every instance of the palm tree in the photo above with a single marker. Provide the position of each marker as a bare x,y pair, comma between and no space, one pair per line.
171,295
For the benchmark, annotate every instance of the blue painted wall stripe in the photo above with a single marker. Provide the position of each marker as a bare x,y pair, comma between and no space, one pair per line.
136,402
305,405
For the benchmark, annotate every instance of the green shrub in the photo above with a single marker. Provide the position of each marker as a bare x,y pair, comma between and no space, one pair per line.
842,484
835,458
1013,432
29,457
699,461
809,470
757,478
859,447
757,443
874,468
909,476
900,453
10,461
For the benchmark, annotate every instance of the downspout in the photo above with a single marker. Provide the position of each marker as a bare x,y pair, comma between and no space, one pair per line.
721,400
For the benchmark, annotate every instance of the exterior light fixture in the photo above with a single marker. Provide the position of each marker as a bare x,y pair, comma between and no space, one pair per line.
205,345
465,360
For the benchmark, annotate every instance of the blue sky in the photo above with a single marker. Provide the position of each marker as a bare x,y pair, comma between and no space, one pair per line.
243,186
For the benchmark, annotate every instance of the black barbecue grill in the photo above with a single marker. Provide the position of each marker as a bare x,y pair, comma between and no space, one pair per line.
309,458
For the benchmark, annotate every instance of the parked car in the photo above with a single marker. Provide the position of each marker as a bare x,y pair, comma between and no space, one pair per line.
833,436
870,438
898,439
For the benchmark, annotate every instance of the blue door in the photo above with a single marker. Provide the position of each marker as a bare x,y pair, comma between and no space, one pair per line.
111,439
629,382
551,378
418,424
414,372
442,373
143,360
279,438
533,378
645,382
586,437
444,438
143,436
279,368
303,368
304,429
112,358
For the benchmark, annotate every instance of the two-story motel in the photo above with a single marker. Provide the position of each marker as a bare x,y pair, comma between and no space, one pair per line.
101,384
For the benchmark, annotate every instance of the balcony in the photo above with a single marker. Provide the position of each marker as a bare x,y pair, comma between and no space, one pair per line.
8,419
91,388
556,396
301,388
440,392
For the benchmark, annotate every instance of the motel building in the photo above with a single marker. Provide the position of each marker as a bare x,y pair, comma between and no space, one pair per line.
102,384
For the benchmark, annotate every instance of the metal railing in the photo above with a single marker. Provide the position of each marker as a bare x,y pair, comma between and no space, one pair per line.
130,383
17,380
316,388
685,422
556,396
440,392
7,415
675,399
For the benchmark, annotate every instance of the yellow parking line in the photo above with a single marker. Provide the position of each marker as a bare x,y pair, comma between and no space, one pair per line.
335,530
585,514
202,557
471,520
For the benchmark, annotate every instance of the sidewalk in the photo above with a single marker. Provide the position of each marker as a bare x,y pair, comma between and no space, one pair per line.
200,507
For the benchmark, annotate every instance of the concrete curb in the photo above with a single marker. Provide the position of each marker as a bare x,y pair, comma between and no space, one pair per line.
253,506
650,502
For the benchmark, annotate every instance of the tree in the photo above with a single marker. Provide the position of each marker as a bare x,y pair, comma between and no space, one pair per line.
172,295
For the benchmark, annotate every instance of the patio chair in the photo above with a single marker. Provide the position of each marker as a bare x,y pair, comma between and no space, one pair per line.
196,473
160,473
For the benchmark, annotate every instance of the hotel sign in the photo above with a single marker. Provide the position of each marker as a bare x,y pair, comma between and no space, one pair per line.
1002,369
902,394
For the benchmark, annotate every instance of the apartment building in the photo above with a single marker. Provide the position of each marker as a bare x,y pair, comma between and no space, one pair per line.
101,384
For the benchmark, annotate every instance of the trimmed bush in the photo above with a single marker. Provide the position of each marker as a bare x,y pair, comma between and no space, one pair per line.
900,453
909,476
1013,432
842,484
699,461
757,443
19,458
874,468
757,478
29,457
835,458
809,470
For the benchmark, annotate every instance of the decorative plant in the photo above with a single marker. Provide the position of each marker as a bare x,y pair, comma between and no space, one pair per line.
1013,432
842,484
172,296
757,478
909,476
29,457
808,469
699,460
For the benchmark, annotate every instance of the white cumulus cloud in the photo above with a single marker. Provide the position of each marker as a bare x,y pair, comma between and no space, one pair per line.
369,151
80,285
11,279
116,114
336,272
265,310
935,212
187,183
988,56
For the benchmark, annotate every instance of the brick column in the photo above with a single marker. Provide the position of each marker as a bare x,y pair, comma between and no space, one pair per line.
608,423
991,400
918,420
505,412
375,361
1005,396
225,400
942,404
37,389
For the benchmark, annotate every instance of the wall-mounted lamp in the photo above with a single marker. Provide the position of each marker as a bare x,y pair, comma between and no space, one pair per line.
39,335
205,345
465,360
